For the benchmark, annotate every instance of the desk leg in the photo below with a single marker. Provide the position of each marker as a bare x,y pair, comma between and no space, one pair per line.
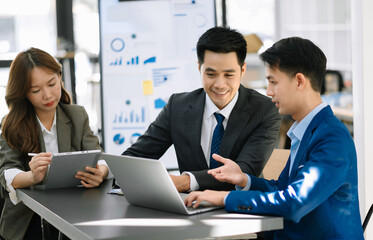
42,228
60,235
48,231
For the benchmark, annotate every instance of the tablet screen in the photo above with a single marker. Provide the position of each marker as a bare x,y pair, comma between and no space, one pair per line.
64,166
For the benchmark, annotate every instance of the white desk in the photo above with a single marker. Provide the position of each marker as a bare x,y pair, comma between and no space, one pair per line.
93,214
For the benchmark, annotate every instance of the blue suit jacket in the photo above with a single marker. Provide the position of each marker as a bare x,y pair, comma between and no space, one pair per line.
319,199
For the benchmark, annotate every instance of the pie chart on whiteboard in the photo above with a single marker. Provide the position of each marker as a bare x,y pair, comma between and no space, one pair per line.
118,139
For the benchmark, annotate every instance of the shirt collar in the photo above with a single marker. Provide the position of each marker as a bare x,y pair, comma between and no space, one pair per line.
43,129
211,108
299,128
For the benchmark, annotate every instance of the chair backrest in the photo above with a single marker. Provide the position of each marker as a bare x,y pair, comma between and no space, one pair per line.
276,163
366,220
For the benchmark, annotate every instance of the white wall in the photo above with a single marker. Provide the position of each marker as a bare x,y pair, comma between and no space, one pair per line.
362,51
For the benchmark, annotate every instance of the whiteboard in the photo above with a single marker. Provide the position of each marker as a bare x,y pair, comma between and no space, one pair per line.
148,52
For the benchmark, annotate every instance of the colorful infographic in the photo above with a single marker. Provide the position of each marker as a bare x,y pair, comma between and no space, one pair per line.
147,53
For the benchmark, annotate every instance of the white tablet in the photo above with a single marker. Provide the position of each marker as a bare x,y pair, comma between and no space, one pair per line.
64,166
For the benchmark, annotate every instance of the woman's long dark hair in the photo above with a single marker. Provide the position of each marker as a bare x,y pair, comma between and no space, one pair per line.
20,127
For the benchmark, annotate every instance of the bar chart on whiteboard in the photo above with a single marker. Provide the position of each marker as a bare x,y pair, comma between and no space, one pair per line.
148,52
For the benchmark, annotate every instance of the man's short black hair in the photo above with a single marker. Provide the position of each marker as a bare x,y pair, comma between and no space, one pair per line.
297,55
222,40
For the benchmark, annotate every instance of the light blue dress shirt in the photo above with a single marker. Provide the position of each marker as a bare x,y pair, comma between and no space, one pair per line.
297,131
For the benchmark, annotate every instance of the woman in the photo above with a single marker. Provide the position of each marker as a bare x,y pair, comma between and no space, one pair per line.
42,120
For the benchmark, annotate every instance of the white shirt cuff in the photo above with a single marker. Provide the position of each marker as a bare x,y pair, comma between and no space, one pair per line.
248,185
194,186
9,175
103,163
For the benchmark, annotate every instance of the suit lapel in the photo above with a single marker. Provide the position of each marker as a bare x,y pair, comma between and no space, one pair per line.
321,116
41,140
63,131
193,120
236,123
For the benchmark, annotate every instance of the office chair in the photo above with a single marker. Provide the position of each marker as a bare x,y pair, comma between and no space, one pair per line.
367,217
276,163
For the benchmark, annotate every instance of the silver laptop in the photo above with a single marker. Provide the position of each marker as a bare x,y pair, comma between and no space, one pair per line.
146,183
64,166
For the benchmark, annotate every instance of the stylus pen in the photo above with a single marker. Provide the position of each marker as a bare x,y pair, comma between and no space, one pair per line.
32,154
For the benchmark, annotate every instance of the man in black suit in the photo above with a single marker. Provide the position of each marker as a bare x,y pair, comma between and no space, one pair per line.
250,120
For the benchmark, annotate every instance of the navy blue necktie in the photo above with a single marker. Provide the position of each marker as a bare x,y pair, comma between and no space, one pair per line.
216,140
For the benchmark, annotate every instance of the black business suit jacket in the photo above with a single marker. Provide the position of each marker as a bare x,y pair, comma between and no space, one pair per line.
249,138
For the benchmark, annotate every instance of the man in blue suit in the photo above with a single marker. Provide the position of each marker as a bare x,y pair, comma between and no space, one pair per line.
317,192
